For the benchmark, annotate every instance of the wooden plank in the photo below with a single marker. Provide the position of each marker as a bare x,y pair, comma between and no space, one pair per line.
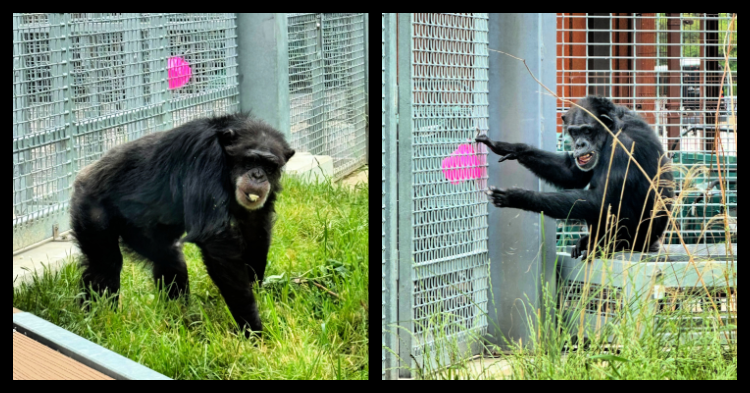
34,361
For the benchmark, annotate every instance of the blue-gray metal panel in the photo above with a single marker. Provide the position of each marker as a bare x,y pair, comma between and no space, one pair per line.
405,320
522,248
82,350
442,211
388,157
263,65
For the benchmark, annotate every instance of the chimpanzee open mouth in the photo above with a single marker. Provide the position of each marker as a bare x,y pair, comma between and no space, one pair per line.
584,159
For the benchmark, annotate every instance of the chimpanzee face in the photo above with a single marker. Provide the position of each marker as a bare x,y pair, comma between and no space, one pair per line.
256,155
254,175
587,134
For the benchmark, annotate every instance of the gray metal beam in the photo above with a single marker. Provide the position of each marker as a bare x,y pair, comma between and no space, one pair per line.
522,244
389,189
405,193
263,67
82,350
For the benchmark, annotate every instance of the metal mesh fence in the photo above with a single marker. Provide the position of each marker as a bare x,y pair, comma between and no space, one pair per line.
327,87
83,83
448,96
669,68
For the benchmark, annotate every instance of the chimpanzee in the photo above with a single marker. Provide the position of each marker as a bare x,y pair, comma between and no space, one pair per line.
214,178
589,165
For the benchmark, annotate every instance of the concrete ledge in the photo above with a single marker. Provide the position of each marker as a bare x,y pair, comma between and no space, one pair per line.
310,168
52,254
82,350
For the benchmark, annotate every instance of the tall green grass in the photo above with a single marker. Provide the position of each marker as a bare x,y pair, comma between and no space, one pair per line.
638,341
313,305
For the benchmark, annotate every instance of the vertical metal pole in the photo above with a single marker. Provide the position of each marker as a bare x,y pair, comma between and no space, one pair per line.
263,67
390,189
405,285
522,245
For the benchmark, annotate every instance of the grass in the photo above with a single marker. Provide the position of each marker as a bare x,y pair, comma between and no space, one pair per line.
635,342
313,304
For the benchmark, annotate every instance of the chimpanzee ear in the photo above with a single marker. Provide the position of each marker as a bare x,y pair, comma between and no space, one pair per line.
606,119
226,137
288,154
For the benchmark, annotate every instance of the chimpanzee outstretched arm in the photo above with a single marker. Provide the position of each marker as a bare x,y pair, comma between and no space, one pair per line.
557,168
572,204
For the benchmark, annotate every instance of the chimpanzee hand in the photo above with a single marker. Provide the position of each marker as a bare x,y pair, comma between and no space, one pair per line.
506,150
581,248
505,197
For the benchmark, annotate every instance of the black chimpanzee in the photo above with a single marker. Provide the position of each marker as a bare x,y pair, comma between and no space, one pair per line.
589,165
214,178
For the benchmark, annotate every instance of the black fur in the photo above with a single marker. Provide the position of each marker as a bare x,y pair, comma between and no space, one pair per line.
567,172
214,178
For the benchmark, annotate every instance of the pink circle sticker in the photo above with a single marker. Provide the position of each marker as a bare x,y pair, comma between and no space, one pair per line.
178,71
461,165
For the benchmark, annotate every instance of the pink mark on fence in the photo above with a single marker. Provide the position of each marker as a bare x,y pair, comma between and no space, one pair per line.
178,71
461,165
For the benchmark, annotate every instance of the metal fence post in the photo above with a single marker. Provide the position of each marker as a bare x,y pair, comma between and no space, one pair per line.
522,251
263,66
388,160
405,260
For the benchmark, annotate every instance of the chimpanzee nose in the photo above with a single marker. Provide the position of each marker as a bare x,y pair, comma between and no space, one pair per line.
257,174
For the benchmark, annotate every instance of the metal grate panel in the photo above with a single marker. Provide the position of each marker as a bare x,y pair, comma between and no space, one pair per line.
327,87
449,212
668,68
86,82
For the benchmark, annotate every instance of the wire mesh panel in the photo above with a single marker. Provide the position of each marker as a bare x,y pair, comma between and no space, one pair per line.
306,85
134,74
447,95
327,87
203,65
84,83
670,69
41,146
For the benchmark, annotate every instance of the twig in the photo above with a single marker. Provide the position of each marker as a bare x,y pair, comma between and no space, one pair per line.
306,281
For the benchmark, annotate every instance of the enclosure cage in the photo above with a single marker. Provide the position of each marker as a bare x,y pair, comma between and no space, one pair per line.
668,68
84,83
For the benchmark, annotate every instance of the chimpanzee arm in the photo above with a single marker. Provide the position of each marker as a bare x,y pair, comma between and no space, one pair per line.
225,265
256,238
558,169
573,204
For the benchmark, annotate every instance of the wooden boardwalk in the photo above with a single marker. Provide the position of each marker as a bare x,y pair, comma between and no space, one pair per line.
34,361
